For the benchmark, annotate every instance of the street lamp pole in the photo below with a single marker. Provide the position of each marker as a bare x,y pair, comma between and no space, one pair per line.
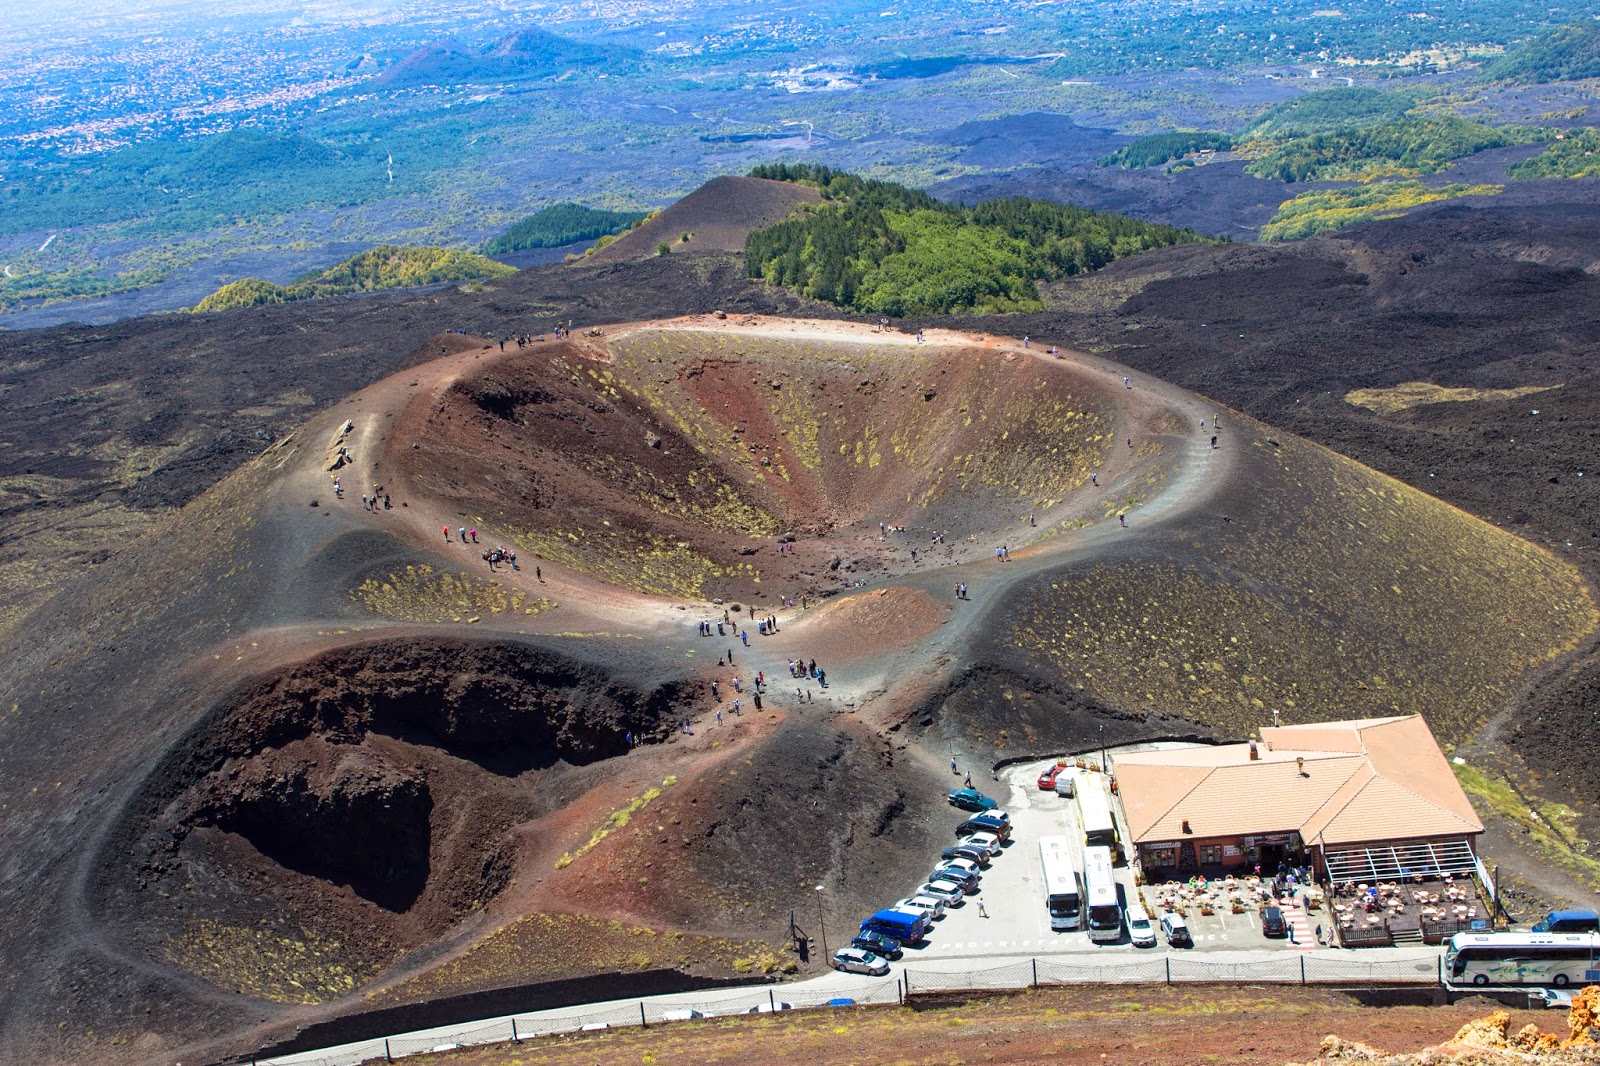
1103,749
822,923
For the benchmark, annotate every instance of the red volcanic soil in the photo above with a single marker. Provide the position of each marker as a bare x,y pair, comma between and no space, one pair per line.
1142,1026
718,217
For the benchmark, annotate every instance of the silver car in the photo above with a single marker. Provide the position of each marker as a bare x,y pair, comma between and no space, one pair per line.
854,960
933,908
948,891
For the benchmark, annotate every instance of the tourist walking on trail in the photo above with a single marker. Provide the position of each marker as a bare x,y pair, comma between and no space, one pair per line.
447,534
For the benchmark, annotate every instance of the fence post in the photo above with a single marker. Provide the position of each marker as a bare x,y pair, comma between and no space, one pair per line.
1169,969
772,1001
515,1039
387,1057
1438,965
643,1023
1035,973
903,988
1302,970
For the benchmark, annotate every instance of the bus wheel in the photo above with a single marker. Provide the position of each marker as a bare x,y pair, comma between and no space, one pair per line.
1559,980
1480,978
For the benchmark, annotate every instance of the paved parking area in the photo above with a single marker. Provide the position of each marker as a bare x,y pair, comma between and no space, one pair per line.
1012,890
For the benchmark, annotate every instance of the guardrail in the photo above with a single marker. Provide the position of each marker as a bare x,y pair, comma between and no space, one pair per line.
1302,969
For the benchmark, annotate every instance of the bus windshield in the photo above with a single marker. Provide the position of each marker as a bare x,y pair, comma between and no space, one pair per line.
1063,894
1100,888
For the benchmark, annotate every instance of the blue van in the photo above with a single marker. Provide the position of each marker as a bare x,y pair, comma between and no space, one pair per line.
1569,922
904,926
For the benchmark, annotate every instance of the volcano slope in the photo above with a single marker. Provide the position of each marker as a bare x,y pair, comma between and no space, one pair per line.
291,754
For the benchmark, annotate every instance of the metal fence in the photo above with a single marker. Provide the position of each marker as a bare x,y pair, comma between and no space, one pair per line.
1305,969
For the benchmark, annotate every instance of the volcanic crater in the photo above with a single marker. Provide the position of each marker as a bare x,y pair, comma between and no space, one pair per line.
388,751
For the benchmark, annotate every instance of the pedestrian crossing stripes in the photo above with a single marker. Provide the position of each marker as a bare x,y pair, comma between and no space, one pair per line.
1303,934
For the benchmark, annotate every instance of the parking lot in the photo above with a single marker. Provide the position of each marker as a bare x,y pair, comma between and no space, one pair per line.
1012,890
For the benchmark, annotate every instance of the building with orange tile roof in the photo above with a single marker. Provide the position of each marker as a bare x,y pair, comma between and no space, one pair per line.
1368,799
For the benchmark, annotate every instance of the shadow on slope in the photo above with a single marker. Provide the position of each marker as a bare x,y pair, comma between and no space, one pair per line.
361,801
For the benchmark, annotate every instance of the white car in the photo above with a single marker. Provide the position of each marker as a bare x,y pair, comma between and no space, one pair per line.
948,891
987,841
966,866
1177,931
933,908
768,1008
1140,929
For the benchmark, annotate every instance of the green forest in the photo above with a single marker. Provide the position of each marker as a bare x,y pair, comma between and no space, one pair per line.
1327,110
387,266
1331,209
1159,148
1575,155
560,224
885,249
1418,144
1566,53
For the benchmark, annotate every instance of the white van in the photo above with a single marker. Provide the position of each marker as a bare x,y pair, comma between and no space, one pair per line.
1140,929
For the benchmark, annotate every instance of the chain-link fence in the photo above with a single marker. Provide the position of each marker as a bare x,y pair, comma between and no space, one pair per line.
1100,971
1359,969
496,1032
1278,970
1011,975
1297,968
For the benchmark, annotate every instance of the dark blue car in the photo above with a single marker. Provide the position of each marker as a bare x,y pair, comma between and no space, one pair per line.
877,943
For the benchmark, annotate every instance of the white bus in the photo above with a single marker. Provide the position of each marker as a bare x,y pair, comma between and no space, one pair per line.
1063,888
1094,817
1556,959
1100,891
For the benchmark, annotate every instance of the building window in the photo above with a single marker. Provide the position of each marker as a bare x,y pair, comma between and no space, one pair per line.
1161,856
1210,854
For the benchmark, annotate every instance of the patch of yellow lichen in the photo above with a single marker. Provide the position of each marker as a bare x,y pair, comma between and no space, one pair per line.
268,963
643,561
420,594
565,945
1333,592
1410,394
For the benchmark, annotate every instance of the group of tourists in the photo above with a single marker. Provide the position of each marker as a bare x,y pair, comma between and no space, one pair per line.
495,556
